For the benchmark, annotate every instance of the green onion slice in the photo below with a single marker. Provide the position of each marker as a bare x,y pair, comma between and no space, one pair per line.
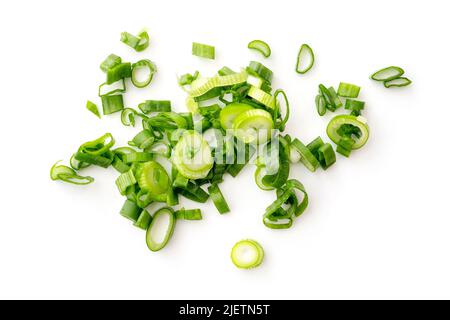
109,89
261,47
355,106
247,254
92,107
139,66
138,43
305,59
125,180
348,90
111,61
112,103
229,113
144,220
128,117
253,126
218,199
260,173
192,156
203,50
118,72
321,105
77,165
153,179
149,106
192,214
161,229
130,210
67,174
282,122
399,82
307,158
98,146
387,74
202,86
327,95
258,69
262,97
356,123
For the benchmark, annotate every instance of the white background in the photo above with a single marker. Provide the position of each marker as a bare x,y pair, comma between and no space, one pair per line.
377,225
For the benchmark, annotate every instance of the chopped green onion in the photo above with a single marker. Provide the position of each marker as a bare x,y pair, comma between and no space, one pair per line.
335,98
387,74
153,179
218,199
355,106
138,43
202,86
111,61
125,180
247,254
118,72
225,71
137,157
127,117
112,104
194,193
136,67
253,126
321,105
144,139
144,220
259,70
130,210
348,90
305,59
109,89
229,113
307,158
329,100
104,160
261,47
67,174
159,232
155,106
92,107
282,123
260,173
193,214
77,165
203,50
262,97
399,82
326,156
336,124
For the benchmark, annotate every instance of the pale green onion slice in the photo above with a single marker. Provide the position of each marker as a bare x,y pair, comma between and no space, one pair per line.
247,254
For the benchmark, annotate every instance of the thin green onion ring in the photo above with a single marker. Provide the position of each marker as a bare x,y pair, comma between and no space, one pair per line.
247,254
397,83
152,243
387,74
141,64
261,47
304,50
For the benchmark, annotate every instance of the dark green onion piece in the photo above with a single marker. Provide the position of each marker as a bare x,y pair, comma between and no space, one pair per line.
188,78
111,61
329,100
218,199
104,160
172,197
307,158
112,104
99,145
334,96
203,50
67,174
225,71
92,107
125,180
304,54
282,123
138,43
130,210
345,146
261,47
142,64
348,90
321,105
144,220
355,106
192,214
387,74
399,82
149,106
326,156
128,117
194,193
77,165
118,72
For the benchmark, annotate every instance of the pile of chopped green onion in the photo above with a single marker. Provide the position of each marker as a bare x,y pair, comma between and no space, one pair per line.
247,118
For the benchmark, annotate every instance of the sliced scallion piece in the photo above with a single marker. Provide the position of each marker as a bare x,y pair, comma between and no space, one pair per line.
161,229
305,59
398,82
203,50
118,72
348,90
387,74
261,47
358,129
253,126
111,61
144,220
355,106
109,89
112,104
218,199
307,158
138,43
67,174
192,214
130,210
125,180
142,65
92,107
247,254
128,117
149,106
321,105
